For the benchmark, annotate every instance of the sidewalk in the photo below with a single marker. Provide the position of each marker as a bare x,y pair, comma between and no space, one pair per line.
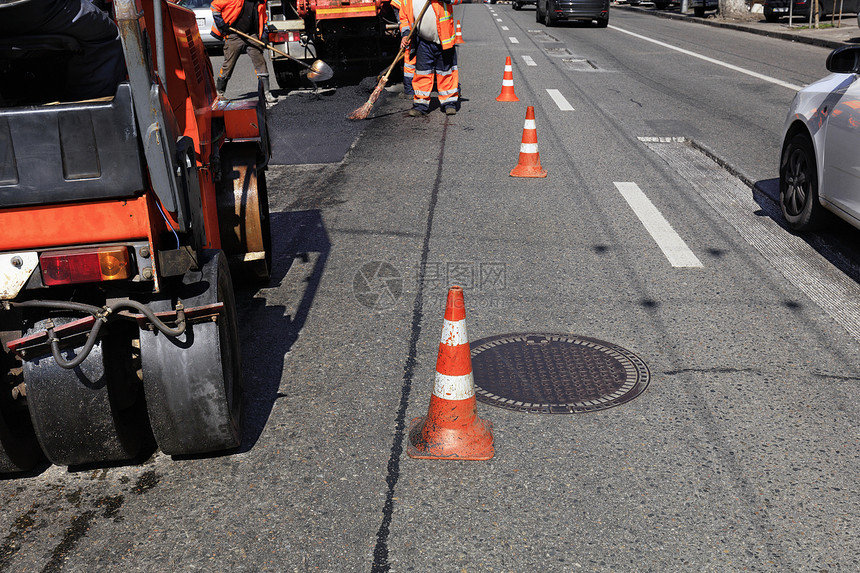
830,37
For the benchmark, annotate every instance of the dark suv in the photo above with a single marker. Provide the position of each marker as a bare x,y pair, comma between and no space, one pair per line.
776,9
550,12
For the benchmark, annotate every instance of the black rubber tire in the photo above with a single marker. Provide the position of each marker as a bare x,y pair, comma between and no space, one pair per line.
798,185
538,13
699,11
19,450
548,20
93,413
193,383
661,5
516,6
771,18
602,22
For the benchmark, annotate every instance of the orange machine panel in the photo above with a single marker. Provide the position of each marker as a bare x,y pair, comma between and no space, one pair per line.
74,224
240,118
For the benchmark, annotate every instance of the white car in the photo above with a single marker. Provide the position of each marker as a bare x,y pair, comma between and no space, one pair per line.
204,20
820,165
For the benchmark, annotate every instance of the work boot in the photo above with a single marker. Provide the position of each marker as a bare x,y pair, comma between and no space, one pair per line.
267,92
415,112
451,110
221,87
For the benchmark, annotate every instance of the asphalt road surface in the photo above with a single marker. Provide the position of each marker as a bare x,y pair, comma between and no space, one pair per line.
742,452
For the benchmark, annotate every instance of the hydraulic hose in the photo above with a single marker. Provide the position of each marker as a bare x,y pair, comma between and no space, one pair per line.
102,315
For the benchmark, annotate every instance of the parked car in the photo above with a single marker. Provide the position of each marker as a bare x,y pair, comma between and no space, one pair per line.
819,168
204,20
776,9
518,4
701,6
550,12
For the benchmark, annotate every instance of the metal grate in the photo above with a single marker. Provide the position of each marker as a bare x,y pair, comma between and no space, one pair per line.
555,373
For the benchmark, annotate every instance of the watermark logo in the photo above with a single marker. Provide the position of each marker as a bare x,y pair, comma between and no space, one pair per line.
377,285
475,276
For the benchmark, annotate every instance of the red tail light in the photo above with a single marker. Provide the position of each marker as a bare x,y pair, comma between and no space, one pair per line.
280,37
85,265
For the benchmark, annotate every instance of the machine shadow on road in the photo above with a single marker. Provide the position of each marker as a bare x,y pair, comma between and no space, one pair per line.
837,242
270,326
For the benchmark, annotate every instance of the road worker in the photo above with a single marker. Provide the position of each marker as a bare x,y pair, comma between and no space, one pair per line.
93,72
435,54
408,58
248,17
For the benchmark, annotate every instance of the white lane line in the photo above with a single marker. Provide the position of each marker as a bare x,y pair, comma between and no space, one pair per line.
672,245
514,40
803,264
529,61
498,19
505,28
713,61
559,100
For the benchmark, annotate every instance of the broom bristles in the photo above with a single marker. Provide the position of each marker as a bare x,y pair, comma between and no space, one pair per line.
364,111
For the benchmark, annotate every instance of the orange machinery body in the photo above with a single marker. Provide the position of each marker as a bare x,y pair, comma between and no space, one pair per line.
332,9
192,97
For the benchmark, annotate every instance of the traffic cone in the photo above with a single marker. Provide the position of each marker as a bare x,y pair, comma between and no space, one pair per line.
529,164
458,38
452,430
508,84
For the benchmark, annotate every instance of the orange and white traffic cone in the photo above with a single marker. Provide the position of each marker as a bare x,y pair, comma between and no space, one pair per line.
452,430
529,163
508,83
458,37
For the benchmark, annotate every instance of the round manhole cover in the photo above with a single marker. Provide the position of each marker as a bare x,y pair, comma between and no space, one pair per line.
555,373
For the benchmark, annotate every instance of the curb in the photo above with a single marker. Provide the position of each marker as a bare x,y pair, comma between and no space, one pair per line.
832,44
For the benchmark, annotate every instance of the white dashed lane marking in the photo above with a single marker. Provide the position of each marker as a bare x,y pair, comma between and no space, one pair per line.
529,61
559,100
514,40
672,245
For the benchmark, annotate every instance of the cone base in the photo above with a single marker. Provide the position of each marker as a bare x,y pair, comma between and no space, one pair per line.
528,171
475,445
507,97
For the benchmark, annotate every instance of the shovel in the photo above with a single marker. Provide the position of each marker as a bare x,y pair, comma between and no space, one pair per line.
319,71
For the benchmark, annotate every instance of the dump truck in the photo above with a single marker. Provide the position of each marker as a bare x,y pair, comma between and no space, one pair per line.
354,36
125,220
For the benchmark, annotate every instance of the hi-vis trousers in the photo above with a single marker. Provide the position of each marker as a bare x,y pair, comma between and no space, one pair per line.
432,62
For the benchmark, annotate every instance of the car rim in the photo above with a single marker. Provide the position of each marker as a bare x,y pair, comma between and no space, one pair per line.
797,182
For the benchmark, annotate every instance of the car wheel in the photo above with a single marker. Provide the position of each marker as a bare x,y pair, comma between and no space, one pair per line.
516,6
538,14
798,185
603,22
548,20
661,5
699,11
772,18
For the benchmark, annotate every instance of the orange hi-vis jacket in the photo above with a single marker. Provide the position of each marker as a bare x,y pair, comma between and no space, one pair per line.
227,11
445,26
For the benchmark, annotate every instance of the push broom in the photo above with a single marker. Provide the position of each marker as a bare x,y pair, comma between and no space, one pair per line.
364,111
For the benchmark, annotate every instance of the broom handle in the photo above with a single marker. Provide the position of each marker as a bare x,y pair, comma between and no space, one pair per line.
402,51
269,46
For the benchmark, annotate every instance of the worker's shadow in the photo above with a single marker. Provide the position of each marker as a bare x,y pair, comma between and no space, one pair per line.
272,317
